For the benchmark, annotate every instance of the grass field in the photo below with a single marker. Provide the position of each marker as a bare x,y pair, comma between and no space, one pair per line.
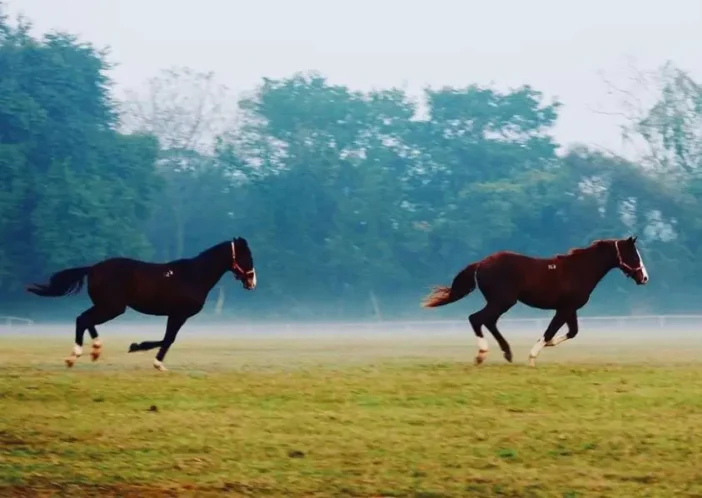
351,417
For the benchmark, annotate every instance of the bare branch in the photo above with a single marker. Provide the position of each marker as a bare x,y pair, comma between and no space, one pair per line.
186,110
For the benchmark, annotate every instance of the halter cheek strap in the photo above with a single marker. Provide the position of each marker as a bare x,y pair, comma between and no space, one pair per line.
622,264
235,265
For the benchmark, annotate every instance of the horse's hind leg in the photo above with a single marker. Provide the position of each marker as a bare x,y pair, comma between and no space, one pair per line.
87,321
144,346
494,314
476,321
558,320
96,350
488,316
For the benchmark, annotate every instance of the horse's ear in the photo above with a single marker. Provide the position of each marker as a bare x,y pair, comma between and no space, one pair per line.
633,238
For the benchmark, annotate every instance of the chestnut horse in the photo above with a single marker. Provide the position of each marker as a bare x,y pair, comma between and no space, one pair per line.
562,283
177,289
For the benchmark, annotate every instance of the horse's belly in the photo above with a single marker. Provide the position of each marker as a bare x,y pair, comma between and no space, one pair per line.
541,302
159,300
151,308
542,296
553,297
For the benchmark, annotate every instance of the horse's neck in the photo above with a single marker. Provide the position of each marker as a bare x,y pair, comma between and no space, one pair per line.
209,269
599,266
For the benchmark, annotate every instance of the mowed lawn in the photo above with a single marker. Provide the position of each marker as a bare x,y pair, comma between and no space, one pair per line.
278,417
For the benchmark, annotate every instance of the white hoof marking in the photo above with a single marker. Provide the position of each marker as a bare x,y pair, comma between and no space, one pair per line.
482,344
535,351
556,341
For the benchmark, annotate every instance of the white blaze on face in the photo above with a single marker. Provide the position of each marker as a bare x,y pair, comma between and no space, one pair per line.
643,266
253,279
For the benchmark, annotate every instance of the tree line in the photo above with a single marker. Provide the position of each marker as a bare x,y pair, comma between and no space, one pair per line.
353,202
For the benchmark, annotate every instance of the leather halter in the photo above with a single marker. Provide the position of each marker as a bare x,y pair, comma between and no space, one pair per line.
622,264
235,265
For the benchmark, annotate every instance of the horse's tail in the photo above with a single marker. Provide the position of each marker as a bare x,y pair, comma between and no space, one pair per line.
462,285
61,283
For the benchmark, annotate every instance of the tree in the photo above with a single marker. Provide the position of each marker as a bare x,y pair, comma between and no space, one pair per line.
187,111
483,154
352,202
662,111
670,126
332,161
74,189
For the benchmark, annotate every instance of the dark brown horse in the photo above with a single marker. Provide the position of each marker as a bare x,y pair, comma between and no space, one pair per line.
562,283
177,289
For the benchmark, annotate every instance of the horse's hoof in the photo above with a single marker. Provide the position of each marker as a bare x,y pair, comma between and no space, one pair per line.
159,366
508,357
479,359
96,351
532,362
70,361
133,347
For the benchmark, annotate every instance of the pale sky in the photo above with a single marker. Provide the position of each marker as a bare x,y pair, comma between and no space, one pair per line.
557,46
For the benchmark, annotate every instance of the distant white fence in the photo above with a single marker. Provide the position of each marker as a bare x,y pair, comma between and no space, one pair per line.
231,327
390,327
9,321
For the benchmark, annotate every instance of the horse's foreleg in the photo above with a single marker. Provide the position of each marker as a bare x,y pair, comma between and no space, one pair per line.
572,323
556,323
175,322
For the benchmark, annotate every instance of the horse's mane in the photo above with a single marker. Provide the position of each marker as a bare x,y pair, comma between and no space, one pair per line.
209,250
577,251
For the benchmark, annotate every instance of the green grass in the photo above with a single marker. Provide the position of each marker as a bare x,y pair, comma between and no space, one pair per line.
360,418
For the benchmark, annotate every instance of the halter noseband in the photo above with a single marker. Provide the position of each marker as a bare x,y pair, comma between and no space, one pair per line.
622,264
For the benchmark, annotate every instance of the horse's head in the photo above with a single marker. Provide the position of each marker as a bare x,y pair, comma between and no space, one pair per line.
242,263
629,260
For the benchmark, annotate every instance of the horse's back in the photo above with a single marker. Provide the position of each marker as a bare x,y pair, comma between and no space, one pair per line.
122,264
516,260
150,288
529,279
120,275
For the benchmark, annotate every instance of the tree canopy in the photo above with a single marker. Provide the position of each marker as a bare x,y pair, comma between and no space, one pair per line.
353,202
